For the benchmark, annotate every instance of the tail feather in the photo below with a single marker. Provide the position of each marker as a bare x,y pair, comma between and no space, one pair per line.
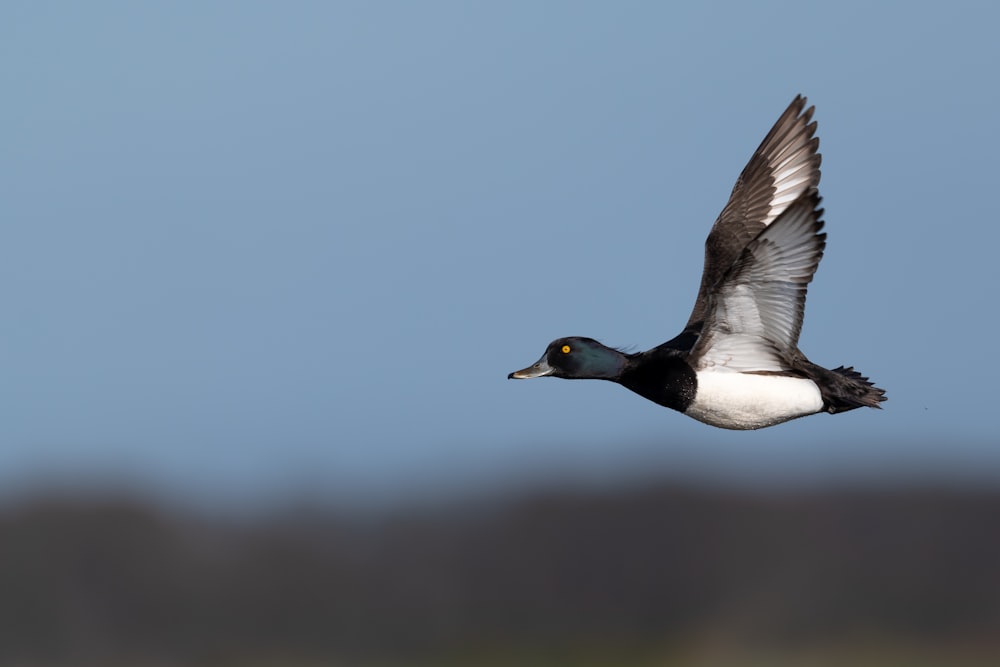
843,388
846,389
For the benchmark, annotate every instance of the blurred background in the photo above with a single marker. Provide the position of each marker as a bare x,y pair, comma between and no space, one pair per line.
265,267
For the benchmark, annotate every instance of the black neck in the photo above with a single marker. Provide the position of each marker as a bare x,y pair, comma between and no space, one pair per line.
663,376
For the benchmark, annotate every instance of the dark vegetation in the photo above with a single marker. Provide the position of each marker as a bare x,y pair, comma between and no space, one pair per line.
660,571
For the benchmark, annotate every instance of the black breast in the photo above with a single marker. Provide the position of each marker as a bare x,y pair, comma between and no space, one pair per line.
663,376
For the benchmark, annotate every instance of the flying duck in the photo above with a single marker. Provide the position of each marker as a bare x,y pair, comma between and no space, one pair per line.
737,364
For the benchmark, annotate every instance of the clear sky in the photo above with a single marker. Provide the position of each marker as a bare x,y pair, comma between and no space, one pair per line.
258,249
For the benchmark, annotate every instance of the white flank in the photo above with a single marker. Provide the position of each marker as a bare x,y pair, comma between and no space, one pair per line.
747,401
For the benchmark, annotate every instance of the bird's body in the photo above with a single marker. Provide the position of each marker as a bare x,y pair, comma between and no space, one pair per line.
748,401
736,364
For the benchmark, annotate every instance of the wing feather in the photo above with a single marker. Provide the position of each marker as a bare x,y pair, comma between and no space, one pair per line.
754,317
783,168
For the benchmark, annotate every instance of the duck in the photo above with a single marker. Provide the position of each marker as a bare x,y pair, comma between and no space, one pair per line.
736,364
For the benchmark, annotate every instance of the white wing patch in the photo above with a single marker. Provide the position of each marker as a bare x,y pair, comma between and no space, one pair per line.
756,311
794,170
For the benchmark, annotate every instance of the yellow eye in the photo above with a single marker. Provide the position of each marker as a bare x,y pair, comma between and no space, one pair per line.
565,349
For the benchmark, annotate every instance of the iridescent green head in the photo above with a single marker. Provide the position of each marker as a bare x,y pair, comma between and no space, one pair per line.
576,358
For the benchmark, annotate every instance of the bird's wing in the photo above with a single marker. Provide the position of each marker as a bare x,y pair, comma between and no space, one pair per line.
754,316
782,169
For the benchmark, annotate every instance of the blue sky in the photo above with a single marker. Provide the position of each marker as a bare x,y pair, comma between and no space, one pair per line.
253,250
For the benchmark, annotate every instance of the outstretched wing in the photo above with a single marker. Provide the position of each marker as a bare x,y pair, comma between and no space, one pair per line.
782,169
754,315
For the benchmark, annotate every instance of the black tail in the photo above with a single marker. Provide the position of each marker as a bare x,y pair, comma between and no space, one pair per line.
844,389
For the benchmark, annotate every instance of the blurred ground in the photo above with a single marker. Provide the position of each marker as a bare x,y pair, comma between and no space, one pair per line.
654,576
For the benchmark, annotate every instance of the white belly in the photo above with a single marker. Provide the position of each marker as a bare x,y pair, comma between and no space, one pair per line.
744,401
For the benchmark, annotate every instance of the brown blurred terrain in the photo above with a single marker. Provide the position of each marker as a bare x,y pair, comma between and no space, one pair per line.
654,576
